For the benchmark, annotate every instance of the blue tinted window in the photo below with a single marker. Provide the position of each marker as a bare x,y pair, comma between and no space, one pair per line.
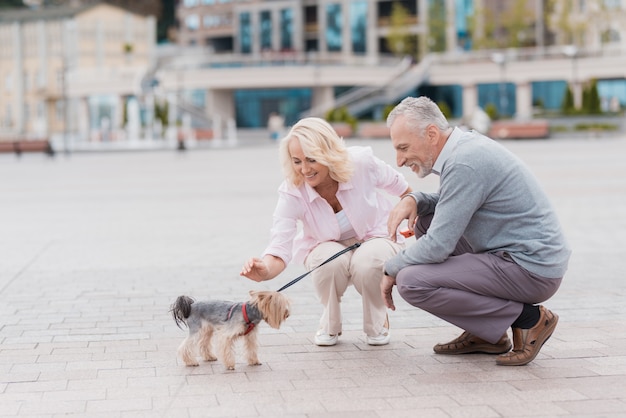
358,26
254,106
548,94
266,30
501,95
333,28
286,29
245,37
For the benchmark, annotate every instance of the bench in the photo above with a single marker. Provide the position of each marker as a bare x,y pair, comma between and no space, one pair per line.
24,145
508,129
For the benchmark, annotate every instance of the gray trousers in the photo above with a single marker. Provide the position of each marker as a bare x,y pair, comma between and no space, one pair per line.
480,293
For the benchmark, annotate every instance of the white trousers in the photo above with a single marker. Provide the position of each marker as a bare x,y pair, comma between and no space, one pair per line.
363,268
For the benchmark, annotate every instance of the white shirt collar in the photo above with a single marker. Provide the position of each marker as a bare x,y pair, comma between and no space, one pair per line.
447,150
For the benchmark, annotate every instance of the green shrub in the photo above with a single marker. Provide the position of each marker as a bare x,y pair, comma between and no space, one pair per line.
595,127
341,115
492,111
567,105
387,110
445,109
591,99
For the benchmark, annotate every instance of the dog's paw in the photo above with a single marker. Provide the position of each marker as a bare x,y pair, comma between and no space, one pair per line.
192,364
210,358
256,363
230,367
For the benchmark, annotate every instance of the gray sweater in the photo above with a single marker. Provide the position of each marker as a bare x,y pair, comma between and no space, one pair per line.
490,197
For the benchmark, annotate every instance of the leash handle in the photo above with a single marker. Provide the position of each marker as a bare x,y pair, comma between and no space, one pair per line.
331,258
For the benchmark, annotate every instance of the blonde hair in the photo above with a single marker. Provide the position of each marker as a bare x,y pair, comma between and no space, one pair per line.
320,142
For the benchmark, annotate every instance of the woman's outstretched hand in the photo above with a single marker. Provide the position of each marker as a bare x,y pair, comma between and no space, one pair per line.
255,269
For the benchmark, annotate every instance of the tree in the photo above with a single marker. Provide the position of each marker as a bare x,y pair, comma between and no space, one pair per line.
567,106
517,24
437,26
591,99
511,25
485,36
563,22
399,40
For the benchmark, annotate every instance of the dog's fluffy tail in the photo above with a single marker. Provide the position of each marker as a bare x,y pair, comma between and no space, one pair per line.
181,309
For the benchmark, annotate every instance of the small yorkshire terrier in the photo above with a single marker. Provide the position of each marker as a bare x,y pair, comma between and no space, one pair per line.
231,321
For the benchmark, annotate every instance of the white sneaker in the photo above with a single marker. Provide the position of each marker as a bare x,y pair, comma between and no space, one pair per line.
326,339
381,339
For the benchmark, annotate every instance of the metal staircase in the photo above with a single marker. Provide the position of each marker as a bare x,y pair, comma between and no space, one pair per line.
359,100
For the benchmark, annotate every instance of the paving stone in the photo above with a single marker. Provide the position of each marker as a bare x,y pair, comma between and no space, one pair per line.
97,246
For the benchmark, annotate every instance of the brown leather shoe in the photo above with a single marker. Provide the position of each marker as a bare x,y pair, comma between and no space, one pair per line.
528,342
467,343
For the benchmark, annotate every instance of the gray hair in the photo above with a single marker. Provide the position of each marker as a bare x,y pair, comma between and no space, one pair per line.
419,112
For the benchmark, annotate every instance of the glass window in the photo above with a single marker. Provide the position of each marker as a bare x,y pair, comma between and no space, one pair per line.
192,22
266,30
358,26
190,3
613,4
101,110
245,36
254,106
333,28
209,21
286,29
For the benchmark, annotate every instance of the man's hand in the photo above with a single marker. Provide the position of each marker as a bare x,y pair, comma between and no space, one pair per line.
405,209
386,287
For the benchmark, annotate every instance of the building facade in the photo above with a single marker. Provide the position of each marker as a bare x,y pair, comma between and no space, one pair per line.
68,72
94,73
318,33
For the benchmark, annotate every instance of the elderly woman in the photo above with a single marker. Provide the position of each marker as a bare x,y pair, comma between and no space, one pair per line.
330,199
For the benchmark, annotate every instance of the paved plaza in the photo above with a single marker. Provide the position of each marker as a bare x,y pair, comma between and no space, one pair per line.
94,247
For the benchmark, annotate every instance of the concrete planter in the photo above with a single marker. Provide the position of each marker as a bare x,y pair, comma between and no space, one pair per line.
373,130
344,130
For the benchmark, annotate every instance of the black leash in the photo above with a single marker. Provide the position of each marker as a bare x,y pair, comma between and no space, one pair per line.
297,279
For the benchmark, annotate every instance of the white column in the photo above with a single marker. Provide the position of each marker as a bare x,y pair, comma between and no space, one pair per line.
346,33
451,34
298,30
172,108
322,97
18,78
255,30
470,101
100,53
151,39
372,38
523,100
275,28
220,107
322,47
83,118
479,13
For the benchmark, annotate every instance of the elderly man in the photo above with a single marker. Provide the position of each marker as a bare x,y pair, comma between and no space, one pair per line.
489,245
